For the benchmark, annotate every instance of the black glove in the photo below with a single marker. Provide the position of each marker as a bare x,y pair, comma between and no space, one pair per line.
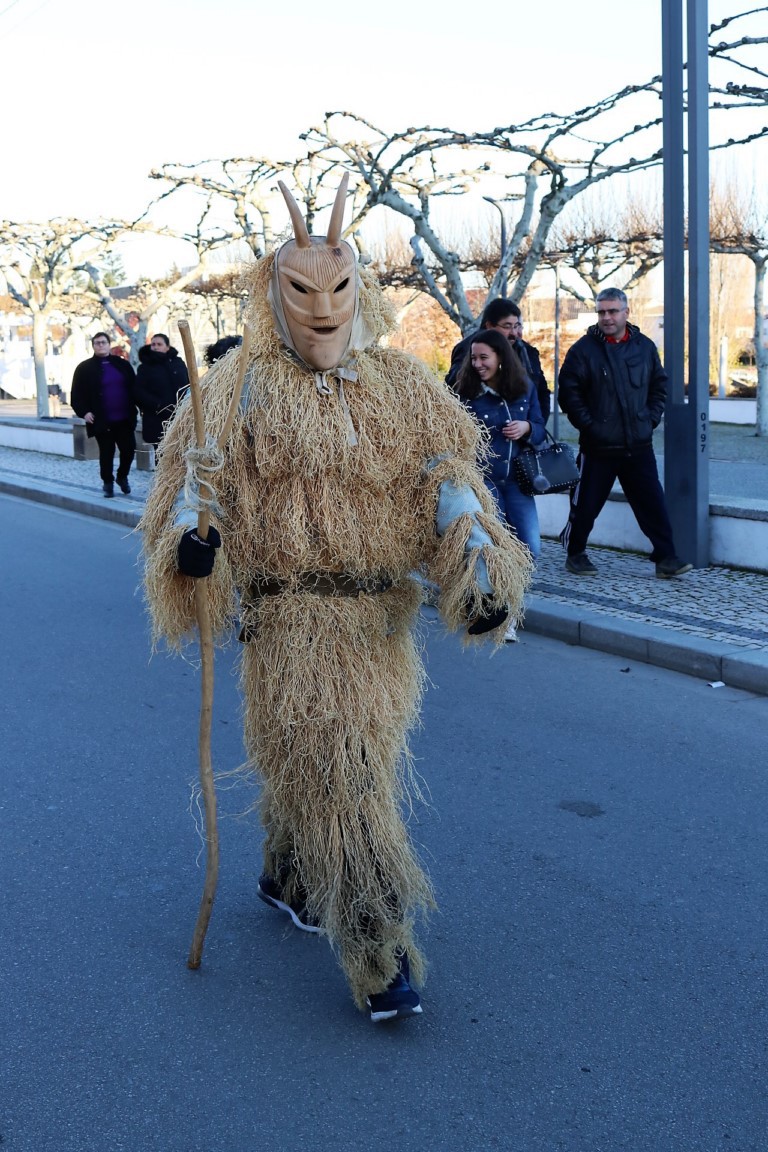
488,618
196,556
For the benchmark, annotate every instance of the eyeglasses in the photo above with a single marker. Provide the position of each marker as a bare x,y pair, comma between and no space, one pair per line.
609,311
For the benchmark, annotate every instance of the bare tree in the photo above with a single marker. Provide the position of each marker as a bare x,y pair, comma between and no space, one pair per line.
731,310
246,187
220,293
532,170
739,56
540,165
40,264
423,329
739,225
392,256
607,245
133,314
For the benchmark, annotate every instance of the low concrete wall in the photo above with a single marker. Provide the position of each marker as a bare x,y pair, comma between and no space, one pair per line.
54,436
732,411
738,533
738,537
64,437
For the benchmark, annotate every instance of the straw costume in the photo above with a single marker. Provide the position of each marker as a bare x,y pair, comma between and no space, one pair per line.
349,467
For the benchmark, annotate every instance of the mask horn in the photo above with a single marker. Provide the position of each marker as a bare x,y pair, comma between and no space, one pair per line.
300,234
337,215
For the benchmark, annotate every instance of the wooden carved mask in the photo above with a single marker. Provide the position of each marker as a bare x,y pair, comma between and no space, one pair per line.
317,281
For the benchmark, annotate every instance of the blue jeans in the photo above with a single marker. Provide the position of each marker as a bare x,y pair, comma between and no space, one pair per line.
519,511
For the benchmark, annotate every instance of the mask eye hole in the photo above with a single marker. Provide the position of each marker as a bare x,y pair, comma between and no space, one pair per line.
342,286
298,287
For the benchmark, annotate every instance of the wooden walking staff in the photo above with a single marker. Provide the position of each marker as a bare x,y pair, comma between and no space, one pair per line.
205,630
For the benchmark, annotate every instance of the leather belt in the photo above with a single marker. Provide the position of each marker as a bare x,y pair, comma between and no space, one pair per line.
322,584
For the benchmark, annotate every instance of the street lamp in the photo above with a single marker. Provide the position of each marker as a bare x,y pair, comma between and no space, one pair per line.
556,367
502,257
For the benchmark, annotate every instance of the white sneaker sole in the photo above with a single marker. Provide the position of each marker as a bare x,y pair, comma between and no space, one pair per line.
377,1017
282,907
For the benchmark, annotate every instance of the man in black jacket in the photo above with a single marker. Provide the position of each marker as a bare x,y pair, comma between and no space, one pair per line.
505,317
531,361
103,396
613,390
161,380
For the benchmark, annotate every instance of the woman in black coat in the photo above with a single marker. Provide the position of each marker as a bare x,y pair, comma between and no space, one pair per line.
160,383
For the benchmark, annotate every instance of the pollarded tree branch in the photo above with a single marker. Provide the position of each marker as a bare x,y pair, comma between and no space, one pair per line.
40,263
539,166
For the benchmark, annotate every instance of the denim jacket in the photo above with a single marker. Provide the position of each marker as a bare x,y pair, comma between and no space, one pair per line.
493,413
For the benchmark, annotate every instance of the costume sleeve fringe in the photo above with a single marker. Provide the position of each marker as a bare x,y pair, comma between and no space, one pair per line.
510,569
170,596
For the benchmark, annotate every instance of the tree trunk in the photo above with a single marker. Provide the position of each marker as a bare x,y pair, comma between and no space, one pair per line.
39,340
761,347
138,338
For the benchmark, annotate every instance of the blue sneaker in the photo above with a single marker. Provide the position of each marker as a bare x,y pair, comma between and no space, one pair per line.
271,893
396,1001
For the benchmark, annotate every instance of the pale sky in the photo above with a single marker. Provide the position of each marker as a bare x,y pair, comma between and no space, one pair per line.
97,94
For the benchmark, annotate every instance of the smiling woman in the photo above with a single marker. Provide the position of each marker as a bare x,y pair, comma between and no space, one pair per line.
495,388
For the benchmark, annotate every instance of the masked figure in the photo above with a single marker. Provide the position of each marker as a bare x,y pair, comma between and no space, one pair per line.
349,468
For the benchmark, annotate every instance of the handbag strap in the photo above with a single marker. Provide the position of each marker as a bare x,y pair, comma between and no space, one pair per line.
543,447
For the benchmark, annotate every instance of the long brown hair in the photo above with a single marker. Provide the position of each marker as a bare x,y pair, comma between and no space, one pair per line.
511,381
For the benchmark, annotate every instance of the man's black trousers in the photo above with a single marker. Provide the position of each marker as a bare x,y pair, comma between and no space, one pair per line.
639,479
122,436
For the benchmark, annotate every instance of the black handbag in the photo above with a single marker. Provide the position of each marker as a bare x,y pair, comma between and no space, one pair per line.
542,471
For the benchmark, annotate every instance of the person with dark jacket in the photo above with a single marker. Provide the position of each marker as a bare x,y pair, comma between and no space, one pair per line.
493,386
103,394
161,381
613,390
531,361
220,348
505,316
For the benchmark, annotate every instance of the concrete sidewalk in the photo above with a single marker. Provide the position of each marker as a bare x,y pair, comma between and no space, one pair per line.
712,623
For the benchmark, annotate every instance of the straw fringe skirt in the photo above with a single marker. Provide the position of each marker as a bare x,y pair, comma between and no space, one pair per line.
331,686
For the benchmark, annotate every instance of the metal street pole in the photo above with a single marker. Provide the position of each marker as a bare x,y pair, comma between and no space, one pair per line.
698,273
674,202
686,423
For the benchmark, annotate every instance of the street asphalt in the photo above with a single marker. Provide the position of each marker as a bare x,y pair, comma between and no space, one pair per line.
594,829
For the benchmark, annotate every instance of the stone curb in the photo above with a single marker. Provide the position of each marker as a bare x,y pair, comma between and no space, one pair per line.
119,510
708,659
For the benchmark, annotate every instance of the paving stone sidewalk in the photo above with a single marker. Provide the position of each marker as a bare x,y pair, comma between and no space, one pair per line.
80,475
712,622
722,604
